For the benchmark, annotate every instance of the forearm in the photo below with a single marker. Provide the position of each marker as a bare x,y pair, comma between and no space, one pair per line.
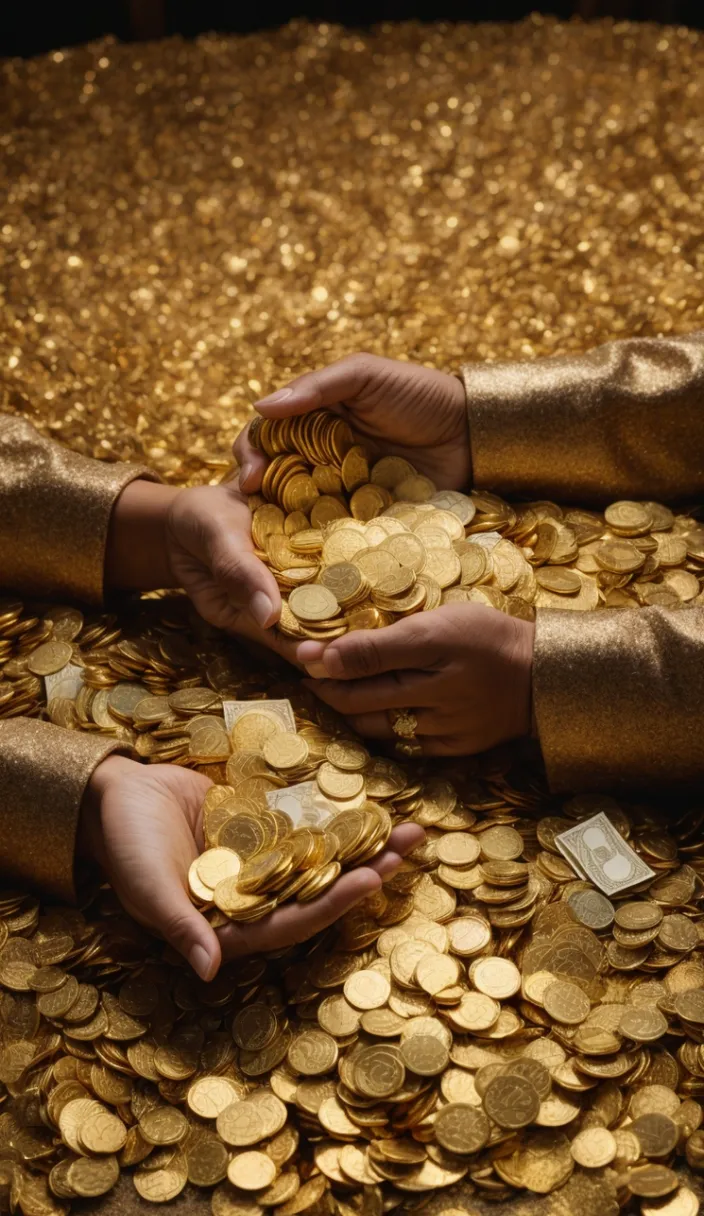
624,421
136,550
619,697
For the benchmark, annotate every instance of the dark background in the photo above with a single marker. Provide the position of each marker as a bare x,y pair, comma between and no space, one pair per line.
26,30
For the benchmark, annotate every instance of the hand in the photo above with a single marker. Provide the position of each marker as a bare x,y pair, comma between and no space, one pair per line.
395,408
141,824
464,670
199,539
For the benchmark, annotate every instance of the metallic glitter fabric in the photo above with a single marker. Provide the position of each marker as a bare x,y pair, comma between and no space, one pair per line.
54,514
624,421
43,773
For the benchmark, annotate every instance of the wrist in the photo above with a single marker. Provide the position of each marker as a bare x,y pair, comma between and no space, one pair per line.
136,553
89,840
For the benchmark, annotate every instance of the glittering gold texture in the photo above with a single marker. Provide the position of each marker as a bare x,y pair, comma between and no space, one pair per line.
54,500
43,773
187,225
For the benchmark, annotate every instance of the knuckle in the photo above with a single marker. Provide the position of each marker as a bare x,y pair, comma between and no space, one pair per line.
364,657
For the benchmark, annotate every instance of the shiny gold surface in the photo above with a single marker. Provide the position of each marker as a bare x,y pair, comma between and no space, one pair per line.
185,227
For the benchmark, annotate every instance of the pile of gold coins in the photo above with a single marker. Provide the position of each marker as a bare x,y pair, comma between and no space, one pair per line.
489,1026
354,547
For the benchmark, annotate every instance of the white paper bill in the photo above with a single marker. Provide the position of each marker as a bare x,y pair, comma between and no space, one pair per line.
280,711
305,804
601,854
65,683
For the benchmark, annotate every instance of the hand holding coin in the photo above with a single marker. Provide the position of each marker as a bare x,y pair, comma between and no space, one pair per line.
199,539
463,670
142,825
396,409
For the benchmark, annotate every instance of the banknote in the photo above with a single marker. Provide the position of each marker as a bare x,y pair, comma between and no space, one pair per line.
64,683
280,711
305,805
600,854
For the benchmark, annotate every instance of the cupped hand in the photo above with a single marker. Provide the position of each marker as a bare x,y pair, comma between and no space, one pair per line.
142,826
395,408
464,670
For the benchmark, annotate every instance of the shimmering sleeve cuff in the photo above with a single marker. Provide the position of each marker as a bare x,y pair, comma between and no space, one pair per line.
619,697
624,421
55,508
44,771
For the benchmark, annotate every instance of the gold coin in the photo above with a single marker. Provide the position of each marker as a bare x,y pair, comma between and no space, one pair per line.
593,1148
251,1171
50,658
337,783
102,1132
240,1124
512,1102
461,1128
425,1055
161,1185
652,1181
657,1134
434,972
458,849
367,989
496,977
566,1003
501,844
285,751
683,1202
378,1071
216,864
314,1052
313,603
209,1096
92,1177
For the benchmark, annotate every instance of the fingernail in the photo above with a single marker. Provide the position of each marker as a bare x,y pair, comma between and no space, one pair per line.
200,961
310,652
317,670
334,667
274,398
261,608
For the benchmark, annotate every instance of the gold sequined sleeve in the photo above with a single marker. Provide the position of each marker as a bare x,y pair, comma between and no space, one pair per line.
55,508
618,696
624,421
44,771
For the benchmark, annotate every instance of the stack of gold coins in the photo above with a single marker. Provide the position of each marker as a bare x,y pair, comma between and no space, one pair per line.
354,547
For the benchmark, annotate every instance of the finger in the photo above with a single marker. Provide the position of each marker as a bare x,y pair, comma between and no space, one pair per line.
252,462
402,840
272,639
173,915
297,922
385,692
411,643
329,386
245,580
379,725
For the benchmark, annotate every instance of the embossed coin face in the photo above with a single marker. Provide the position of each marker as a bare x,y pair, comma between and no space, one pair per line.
511,1102
657,1134
594,1147
379,1071
461,1128
592,909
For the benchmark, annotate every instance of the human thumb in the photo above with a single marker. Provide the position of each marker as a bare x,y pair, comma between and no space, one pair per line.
185,928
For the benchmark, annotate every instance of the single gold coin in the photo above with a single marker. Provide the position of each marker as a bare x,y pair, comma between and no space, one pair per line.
209,1096
425,1054
682,1202
367,989
496,977
657,1134
49,658
511,1101
251,1171
285,751
102,1132
216,864
652,1181
566,1003
314,602
461,1128
378,1071
312,1053
501,844
435,972
593,1148
163,1125
458,849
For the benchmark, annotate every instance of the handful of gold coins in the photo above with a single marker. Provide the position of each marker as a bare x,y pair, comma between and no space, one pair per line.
354,547
296,809
489,1028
